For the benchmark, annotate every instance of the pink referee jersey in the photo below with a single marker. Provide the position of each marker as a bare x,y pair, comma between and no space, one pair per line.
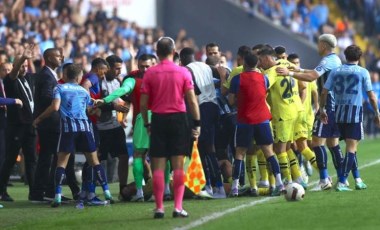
166,84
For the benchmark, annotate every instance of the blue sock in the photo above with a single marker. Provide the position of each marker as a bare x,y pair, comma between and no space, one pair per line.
90,178
355,169
346,167
321,157
337,157
274,165
299,156
101,176
237,169
242,173
59,176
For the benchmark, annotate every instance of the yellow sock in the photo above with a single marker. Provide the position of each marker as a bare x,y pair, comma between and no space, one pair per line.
294,166
284,166
229,179
310,156
250,161
262,162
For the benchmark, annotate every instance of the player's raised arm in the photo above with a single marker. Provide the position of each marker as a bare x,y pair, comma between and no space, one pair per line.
305,75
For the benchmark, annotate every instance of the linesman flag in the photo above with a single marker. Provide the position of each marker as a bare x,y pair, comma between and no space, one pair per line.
195,178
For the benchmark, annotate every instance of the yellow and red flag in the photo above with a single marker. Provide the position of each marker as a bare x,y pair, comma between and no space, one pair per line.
195,178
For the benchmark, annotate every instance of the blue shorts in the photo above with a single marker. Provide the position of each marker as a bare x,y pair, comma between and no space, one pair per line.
71,142
95,133
329,130
209,112
351,130
245,133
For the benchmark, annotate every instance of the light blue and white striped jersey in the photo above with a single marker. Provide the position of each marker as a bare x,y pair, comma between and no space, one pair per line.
74,101
349,82
328,63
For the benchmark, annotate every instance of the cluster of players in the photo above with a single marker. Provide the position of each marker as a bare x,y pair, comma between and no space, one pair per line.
265,112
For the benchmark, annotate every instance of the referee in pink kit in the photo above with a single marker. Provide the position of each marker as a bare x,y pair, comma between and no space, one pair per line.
164,88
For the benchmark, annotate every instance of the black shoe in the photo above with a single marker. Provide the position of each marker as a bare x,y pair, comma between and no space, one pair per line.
180,214
6,197
55,204
253,192
167,197
158,214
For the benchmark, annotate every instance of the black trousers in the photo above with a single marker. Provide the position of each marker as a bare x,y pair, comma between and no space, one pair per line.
2,147
19,137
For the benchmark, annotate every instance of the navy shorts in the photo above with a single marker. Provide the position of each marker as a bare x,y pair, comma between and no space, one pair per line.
210,117
112,141
329,130
71,142
246,133
351,131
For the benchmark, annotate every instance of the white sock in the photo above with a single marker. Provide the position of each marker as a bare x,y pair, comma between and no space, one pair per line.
235,184
140,192
358,180
278,179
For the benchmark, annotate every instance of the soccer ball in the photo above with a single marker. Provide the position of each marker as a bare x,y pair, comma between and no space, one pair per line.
294,192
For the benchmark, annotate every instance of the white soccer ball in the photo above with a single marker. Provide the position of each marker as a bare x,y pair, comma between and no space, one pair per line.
294,192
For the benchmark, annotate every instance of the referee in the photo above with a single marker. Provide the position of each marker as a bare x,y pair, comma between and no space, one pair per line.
165,87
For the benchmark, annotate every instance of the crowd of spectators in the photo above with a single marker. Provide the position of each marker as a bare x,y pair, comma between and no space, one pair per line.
82,29
304,17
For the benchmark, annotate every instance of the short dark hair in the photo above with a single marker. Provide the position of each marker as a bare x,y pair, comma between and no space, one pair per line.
49,52
279,50
64,66
73,71
258,47
186,55
267,50
165,46
353,53
212,60
145,57
152,56
243,50
250,60
292,56
211,44
98,61
176,57
113,59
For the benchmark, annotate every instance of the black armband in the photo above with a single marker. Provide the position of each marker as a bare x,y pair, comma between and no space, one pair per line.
147,125
196,123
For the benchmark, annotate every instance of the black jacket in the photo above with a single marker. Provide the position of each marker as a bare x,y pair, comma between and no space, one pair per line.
45,83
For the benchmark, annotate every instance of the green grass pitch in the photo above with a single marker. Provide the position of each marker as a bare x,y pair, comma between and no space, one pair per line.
319,210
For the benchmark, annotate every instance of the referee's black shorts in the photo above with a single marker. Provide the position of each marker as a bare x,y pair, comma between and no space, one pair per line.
170,135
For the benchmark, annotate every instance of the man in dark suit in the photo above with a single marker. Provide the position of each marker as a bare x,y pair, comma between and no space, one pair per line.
48,130
5,69
19,132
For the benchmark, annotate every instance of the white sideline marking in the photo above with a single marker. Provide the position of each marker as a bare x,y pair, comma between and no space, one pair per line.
216,215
